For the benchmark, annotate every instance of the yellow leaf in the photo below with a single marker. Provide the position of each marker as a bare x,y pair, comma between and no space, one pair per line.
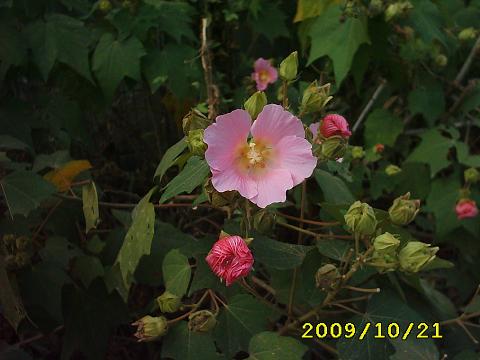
62,177
311,8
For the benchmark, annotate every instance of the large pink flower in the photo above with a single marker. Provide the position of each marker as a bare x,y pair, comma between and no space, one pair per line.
264,168
334,124
466,208
230,259
264,74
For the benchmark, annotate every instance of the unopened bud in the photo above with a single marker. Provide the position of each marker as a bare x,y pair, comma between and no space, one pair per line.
255,104
403,210
397,9
471,175
467,34
333,148
195,142
289,67
22,259
415,255
360,219
150,328
194,120
263,221
9,240
168,302
379,148
357,152
386,244
441,60
105,5
391,170
375,6
22,243
202,321
219,199
315,98
327,276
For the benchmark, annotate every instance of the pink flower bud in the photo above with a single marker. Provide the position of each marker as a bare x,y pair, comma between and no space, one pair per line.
379,148
466,208
230,259
334,124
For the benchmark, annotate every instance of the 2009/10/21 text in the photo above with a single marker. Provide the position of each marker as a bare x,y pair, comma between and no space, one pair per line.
380,330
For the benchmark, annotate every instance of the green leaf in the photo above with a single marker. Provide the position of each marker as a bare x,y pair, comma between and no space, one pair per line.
270,22
427,100
438,263
242,318
192,175
382,127
169,158
60,251
310,8
339,40
426,20
115,59
24,191
464,157
334,189
334,248
271,346
433,151
87,268
277,254
182,344
12,47
60,38
176,272
9,142
90,206
138,239
55,160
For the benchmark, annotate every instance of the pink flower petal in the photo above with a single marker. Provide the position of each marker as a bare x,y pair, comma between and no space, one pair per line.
274,122
272,187
314,128
261,64
229,179
295,155
225,136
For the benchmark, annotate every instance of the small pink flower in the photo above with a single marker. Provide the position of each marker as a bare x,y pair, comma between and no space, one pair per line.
264,74
466,208
230,259
276,159
334,124
379,148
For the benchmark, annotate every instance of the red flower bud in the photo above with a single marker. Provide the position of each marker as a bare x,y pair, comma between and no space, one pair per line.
334,124
466,208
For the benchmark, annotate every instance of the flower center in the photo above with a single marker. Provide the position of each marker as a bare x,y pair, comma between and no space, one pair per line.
264,76
254,156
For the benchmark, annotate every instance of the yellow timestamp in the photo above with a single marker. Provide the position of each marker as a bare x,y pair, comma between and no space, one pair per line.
379,330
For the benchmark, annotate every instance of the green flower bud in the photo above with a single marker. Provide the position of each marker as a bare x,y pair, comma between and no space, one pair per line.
168,302
375,6
22,259
202,321
255,104
195,142
327,276
360,219
333,148
105,5
194,120
386,244
315,98
391,170
219,199
357,152
415,255
289,67
263,221
471,175
403,210
397,9
22,243
9,240
150,328
441,60
467,34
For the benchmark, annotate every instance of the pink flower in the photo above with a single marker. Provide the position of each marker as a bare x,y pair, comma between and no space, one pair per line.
379,148
264,168
230,259
334,124
264,74
466,208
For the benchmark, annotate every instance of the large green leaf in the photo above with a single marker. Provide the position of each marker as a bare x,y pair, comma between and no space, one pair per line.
192,175
334,248
138,240
242,318
24,191
169,158
60,38
183,344
277,254
271,346
90,206
176,272
270,21
115,59
428,100
12,47
382,127
338,39
433,151
334,189
426,19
